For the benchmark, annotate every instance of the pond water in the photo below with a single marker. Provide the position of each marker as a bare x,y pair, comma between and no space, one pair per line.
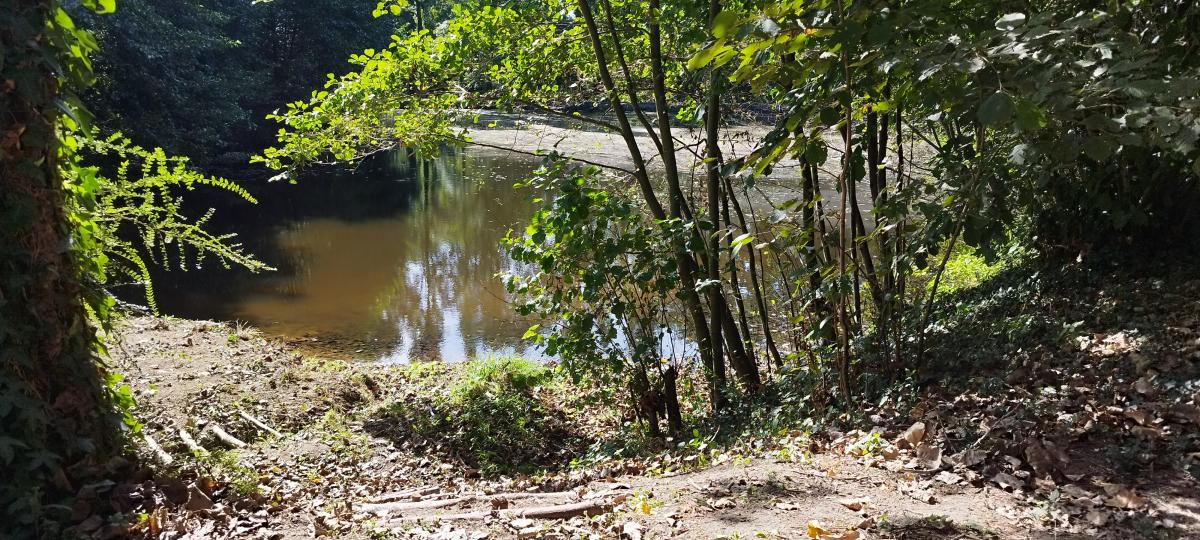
395,261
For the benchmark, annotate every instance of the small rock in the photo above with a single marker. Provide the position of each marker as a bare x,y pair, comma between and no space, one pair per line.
521,523
913,435
197,500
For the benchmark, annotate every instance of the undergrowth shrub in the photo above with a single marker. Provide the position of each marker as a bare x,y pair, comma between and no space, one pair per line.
489,413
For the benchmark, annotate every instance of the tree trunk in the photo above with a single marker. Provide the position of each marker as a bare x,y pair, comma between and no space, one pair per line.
687,266
49,376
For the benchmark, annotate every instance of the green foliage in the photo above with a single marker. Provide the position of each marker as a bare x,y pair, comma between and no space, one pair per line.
1083,117
595,271
490,414
198,78
69,222
495,408
962,126
144,200
56,399
499,374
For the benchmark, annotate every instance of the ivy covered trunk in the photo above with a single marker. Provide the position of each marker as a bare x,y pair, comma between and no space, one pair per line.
53,410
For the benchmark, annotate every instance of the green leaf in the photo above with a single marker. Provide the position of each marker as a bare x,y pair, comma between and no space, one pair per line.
740,241
997,108
706,55
1030,117
532,332
723,24
100,6
1097,148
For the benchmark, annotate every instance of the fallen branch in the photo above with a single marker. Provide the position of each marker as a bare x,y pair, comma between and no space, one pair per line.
224,436
191,443
558,511
564,511
162,455
382,508
406,494
259,424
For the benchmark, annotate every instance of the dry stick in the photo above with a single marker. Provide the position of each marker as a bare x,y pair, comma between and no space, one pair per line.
191,443
734,282
687,265
163,456
897,349
259,424
377,508
224,436
630,87
405,494
937,278
558,511
381,508
851,196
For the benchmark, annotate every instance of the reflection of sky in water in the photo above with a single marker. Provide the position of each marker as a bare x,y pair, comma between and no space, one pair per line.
397,261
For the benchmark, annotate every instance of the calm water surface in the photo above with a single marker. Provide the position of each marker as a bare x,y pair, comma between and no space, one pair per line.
395,261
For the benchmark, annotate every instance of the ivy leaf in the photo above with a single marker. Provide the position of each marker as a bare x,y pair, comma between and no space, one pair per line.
996,109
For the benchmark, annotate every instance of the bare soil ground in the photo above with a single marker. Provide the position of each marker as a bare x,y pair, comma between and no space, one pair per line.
1104,454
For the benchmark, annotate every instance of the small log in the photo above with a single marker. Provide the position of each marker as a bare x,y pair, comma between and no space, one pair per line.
563,511
259,424
191,443
405,494
224,436
557,511
162,455
382,508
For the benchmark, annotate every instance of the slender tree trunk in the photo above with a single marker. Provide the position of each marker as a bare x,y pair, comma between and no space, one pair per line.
671,394
50,378
715,364
763,313
743,363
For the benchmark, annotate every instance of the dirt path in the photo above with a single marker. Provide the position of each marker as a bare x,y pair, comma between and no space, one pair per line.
752,499
326,462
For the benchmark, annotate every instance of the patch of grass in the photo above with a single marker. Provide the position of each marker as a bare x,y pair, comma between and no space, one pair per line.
495,407
488,412
223,464
335,431
499,375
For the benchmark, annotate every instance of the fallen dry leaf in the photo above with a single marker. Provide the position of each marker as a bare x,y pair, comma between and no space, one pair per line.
723,502
1141,416
1008,481
631,530
929,456
1125,498
852,534
816,530
1097,517
1043,463
947,477
854,504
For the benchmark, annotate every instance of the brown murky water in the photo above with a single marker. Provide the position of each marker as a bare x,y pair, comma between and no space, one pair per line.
396,261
